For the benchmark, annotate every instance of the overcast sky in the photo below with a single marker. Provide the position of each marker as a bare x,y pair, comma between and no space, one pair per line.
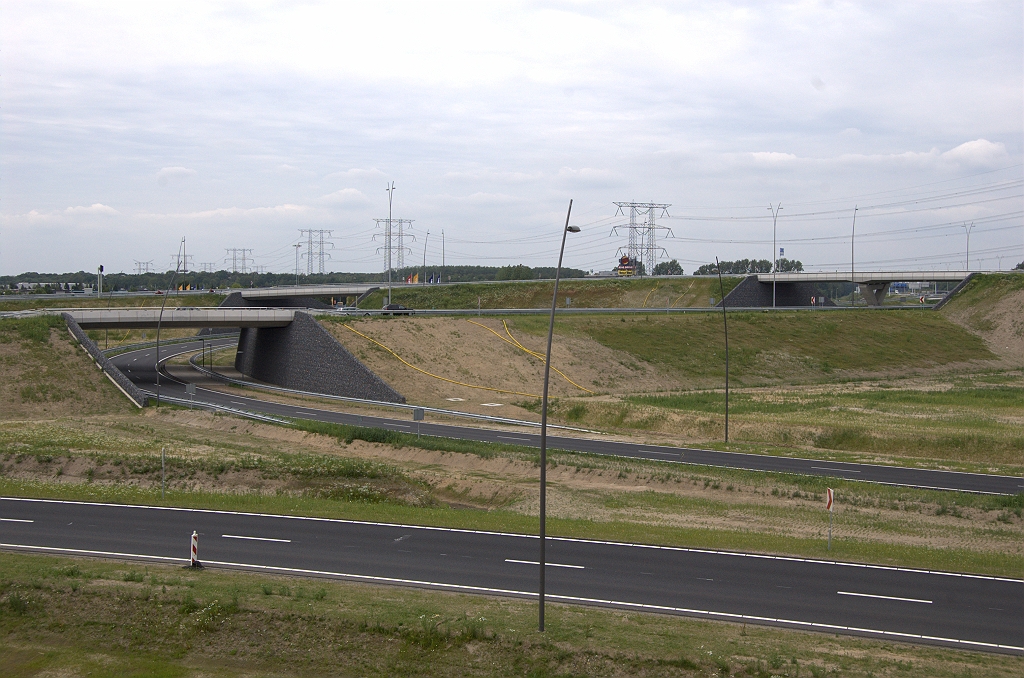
128,126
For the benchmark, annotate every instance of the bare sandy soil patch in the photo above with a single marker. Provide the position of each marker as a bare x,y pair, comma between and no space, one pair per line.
470,353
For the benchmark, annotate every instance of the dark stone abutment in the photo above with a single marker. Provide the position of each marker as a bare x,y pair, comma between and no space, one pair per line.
305,357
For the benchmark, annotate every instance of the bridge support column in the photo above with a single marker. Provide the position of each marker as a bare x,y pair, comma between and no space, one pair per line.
874,293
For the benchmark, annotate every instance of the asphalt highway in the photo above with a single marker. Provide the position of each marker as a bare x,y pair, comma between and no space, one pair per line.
966,611
139,367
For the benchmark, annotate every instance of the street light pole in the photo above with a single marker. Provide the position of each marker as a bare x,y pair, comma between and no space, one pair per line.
775,256
425,240
968,229
544,419
160,319
390,189
853,234
297,263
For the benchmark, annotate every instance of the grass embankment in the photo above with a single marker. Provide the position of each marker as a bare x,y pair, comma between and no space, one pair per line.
45,373
965,423
76,301
780,347
616,293
82,617
430,481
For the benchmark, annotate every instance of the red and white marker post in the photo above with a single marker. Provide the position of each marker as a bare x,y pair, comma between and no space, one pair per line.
828,505
195,550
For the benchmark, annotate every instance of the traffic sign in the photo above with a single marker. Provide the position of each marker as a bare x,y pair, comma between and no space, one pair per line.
828,503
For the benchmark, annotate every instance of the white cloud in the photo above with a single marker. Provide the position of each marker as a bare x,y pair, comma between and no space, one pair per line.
773,158
589,176
168,174
346,197
978,153
95,208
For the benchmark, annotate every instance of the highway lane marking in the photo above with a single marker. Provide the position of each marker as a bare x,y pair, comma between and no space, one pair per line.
667,454
430,528
837,470
728,616
238,536
15,520
513,438
537,562
871,595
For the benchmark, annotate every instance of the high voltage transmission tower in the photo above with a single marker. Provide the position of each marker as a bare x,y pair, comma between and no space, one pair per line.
238,258
316,242
643,247
395,238
207,266
143,267
183,261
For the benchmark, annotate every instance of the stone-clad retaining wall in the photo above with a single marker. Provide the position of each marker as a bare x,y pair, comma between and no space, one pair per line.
753,294
304,356
115,375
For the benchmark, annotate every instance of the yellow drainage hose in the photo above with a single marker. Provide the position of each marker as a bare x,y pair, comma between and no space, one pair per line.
450,381
681,295
649,295
535,354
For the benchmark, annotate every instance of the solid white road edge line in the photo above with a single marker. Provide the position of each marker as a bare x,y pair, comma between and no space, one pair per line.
871,595
728,616
537,562
15,520
238,536
681,549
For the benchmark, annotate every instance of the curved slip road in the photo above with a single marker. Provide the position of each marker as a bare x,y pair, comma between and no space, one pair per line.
138,366
965,611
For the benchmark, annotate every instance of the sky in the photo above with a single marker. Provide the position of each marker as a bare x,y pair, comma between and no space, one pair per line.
126,127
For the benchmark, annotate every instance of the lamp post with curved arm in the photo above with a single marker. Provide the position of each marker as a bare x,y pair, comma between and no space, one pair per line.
544,418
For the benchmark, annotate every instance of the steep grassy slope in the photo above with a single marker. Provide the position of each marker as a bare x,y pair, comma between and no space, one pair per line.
779,347
616,293
44,373
992,306
74,301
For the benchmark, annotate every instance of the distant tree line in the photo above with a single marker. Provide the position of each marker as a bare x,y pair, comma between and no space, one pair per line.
1019,267
748,266
227,279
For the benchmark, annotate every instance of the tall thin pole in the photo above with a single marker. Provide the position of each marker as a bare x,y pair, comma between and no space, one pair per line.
853,233
442,251
297,246
390,189
725,324
968,229
163,473
544,420
160,319
775,256
425,240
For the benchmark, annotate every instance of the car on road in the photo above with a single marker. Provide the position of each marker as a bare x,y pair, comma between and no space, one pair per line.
397,309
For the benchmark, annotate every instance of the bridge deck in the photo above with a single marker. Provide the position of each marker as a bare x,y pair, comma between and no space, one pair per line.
306,291
147,318
864,278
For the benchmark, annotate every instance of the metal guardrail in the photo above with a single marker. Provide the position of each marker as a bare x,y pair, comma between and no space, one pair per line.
350,313
203,405
381,403
118,350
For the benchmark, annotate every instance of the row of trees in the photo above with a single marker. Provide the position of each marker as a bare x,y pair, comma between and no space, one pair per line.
50,282
748,266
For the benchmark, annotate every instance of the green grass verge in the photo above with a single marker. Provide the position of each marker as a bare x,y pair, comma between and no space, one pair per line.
779,346
616,293
62,616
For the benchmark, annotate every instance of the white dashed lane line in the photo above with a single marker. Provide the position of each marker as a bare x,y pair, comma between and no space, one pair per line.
534,562
871,595
15,520
835,470
238,536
